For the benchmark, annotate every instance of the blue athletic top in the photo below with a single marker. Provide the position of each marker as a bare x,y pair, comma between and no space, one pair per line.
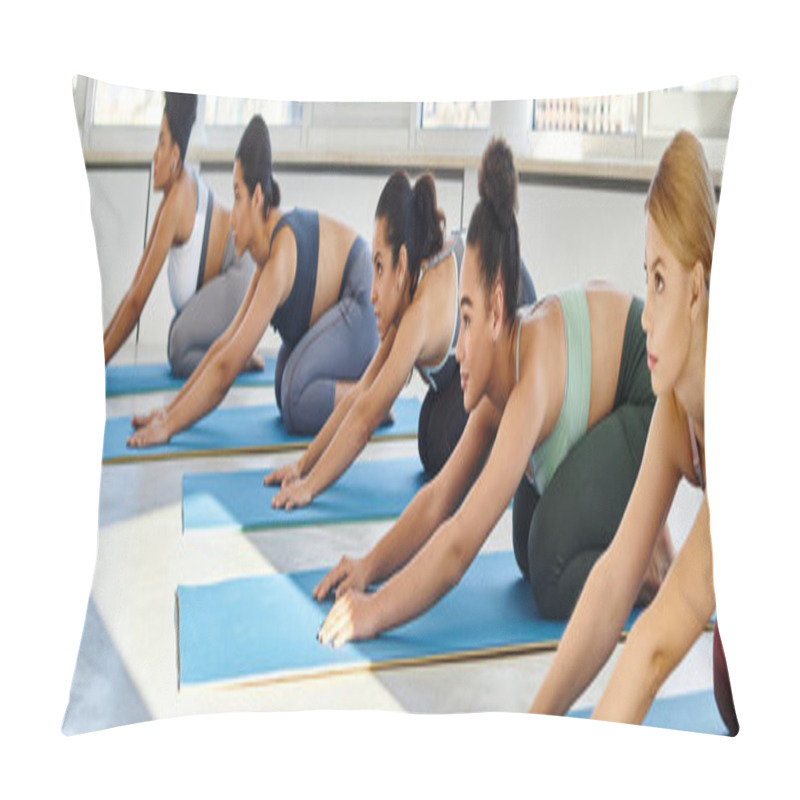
437,376
573,420
291,319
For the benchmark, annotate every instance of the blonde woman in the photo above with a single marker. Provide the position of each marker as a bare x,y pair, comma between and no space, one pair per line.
679,240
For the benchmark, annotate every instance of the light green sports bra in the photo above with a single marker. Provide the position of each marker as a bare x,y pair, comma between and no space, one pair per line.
573,420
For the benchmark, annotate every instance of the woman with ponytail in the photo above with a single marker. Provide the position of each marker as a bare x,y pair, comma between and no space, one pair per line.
559,403
311,282
208,279
679,241
415,299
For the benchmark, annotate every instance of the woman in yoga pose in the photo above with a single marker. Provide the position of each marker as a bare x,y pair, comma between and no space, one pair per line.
562,382
679,241
415,298
312,282
207,278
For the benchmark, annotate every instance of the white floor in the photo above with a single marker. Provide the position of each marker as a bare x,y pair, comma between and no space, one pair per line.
127,666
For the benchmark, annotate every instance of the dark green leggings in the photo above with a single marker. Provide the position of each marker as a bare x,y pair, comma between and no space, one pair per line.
559,536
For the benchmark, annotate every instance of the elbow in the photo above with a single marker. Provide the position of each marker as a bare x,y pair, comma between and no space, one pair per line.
135,306
650,651
363,426
226,374
456,561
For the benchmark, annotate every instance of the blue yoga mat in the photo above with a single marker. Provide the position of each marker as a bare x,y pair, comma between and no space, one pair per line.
239,501
264,628
142,378
695,712
244,429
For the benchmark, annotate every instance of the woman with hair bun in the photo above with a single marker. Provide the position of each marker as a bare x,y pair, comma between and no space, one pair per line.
679,242
207,278
311,282
415,299
558,393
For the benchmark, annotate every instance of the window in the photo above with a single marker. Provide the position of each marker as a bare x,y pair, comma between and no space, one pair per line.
705,108
608,114
120,105
470,115
238,111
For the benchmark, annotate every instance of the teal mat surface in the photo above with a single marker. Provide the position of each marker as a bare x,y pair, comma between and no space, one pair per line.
264,628
695,712
243,429
239,501
142,378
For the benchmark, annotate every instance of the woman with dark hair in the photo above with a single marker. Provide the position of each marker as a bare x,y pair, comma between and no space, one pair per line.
559,394
679,242
311,282
415,298
207,279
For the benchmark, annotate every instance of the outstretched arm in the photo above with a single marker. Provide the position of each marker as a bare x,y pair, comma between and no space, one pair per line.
439,565
613,583
429,508
664,633
367,411
220,366
155,253
306,462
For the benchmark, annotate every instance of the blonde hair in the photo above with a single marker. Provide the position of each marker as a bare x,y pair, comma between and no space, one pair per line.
681,202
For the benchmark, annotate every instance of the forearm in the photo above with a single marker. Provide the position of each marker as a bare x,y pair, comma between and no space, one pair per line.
640,671
408,535
120,327
588,641
320,444
347,442
431,574
198,371
206,393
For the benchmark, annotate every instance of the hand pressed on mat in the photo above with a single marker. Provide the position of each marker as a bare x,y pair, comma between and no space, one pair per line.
352,617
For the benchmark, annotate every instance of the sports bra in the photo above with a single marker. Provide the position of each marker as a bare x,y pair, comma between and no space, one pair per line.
440,374
291,319
573,421
187,262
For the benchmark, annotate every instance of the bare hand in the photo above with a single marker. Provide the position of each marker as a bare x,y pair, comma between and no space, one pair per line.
154,433
347,574
351,618
285,475
140,420
293,495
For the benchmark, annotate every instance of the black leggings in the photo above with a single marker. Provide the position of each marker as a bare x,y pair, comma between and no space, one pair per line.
559,536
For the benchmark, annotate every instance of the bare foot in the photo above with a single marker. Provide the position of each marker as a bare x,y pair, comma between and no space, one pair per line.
660,561
254,364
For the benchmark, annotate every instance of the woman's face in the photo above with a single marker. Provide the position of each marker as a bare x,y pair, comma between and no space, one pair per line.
474,349
242,211
165,155
386,293
666,318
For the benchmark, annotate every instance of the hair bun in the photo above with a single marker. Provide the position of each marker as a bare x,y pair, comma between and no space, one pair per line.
497,181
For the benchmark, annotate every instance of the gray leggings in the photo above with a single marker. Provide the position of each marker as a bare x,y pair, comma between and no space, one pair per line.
338,347
209,312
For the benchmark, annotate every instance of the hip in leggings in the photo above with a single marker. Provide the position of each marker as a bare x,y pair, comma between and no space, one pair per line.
559,535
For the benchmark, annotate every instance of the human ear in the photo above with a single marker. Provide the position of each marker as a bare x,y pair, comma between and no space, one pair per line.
401,268
698,279
497,306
